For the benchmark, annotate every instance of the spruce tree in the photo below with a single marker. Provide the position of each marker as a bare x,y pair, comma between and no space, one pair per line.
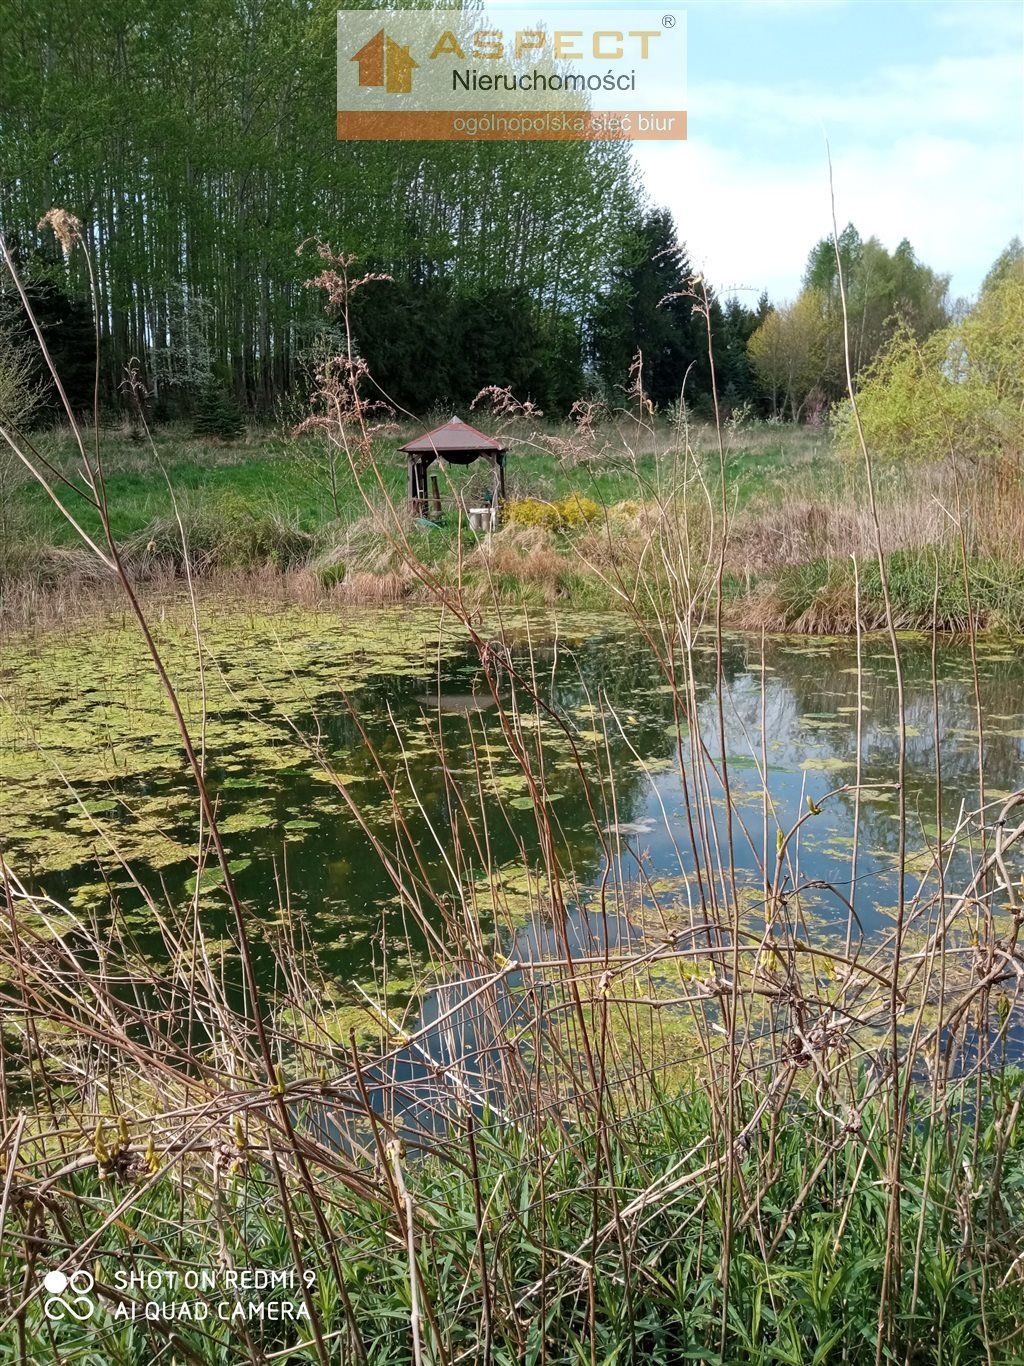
737,383
649,306
67,324
216,413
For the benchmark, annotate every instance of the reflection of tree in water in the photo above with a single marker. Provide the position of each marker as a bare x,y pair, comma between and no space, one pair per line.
820,684
807,720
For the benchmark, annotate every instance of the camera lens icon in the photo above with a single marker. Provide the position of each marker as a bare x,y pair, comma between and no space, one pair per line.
68,1296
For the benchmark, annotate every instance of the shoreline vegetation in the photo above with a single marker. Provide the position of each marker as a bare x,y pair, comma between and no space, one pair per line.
284,518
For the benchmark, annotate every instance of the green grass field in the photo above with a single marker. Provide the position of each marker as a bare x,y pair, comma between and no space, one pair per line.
279,476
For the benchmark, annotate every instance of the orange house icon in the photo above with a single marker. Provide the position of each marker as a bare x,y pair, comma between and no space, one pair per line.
385,62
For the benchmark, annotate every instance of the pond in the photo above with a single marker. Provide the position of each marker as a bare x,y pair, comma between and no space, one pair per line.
306,713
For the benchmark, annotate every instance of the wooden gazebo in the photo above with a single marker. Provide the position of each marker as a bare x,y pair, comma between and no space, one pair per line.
458,443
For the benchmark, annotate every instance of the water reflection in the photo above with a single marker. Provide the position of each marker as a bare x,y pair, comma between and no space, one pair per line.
628,821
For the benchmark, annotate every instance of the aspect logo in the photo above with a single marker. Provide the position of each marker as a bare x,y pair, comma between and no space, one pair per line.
473,73
67,1296
384,62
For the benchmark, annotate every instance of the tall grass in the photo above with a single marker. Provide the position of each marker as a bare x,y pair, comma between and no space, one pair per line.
741,1138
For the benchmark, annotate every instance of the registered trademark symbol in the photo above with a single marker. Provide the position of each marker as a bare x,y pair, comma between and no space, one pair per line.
668,21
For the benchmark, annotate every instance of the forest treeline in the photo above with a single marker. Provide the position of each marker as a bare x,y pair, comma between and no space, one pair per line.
196,144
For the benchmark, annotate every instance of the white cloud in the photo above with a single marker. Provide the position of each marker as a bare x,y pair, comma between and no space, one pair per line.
959,93
989,23
934,153
751,224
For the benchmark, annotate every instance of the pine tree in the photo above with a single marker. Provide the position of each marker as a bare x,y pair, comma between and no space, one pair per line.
737,383
216,413
67,324
649,307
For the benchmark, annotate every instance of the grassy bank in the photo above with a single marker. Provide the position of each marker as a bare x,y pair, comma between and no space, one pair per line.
555,1245
580,527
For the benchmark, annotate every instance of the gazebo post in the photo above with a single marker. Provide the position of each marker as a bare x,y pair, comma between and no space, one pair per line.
423,489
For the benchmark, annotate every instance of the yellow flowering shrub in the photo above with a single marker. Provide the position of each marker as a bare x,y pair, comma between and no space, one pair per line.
569,512
577,510
533,512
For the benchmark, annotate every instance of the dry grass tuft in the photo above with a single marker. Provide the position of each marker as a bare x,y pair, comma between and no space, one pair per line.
378,590
768,536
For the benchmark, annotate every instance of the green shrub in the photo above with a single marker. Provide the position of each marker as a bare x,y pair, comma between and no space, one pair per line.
330,575
219,533
928,585
799,584
926,588
961,390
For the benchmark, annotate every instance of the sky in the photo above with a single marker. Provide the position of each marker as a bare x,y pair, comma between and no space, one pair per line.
922,104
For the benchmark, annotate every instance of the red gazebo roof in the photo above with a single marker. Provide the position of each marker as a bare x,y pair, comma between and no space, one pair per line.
455,435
